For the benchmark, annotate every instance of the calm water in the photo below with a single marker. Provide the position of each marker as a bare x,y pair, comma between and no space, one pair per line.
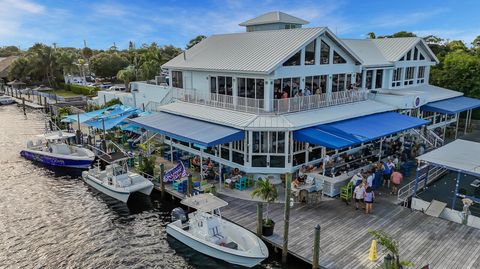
54,220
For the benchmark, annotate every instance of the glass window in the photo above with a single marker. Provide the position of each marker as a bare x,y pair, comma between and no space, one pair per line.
294,60
229,86
259,161
337,59
177,79
341,82
397,77
299,158
213,85
335,83
369,79
409,74
415,54
310,53
221,85
250,88
277,161
225,153
295,86
324,53
241,87
379,79
315,154
237,157
402,59
323,83
349,81
421,75
358,80
259,89
409,55
421,56
277,88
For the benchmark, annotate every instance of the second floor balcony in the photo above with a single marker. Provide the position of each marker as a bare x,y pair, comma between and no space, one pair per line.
268,106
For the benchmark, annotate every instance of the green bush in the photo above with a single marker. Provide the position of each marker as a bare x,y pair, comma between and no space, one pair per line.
79,89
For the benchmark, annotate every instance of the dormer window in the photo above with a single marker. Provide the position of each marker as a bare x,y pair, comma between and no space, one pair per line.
415,54
337,59
294,60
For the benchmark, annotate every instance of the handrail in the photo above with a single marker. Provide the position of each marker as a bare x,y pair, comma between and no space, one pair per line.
406,191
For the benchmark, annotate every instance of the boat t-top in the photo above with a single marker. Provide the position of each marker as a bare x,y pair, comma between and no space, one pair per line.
53,149
206,232
112,176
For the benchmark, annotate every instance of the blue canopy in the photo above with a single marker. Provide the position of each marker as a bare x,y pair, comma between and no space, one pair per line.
189,130
84,116
108,122
359,130
453,105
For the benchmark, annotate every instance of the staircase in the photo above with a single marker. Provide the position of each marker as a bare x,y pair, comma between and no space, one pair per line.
407,191
154,106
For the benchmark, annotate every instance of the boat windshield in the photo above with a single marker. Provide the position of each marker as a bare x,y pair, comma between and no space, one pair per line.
119,169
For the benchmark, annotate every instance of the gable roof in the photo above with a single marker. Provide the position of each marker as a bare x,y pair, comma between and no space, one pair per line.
274,17
251,52
385,51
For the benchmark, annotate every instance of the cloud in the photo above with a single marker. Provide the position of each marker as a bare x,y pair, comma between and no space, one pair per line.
108,10
466,35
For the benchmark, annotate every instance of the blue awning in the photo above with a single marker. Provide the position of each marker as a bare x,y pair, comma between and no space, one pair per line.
189,130
453,105
359,130
109,122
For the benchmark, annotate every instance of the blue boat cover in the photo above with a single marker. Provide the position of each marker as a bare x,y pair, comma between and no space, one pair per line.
359,130
189,130
453,105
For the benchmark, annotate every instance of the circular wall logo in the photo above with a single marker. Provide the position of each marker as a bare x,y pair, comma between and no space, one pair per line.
417,101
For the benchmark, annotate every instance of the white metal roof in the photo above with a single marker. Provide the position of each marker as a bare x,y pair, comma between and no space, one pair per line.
394,48
251,52
274,17
368,52
433,93
459,155
204,202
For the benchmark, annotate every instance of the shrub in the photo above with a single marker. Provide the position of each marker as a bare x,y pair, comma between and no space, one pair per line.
79,89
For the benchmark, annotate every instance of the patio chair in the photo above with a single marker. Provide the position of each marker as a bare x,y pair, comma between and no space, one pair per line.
346,192
241,184
203,186
175,185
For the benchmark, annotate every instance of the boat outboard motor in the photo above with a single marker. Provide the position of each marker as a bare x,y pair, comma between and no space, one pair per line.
179,214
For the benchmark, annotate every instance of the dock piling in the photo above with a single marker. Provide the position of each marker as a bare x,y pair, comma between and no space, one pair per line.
259,218
288,186
162,184
316,247
189,185
24,109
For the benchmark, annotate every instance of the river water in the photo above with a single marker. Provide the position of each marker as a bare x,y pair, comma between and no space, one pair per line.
52,219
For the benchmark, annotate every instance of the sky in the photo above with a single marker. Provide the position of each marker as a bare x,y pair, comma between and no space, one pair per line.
102,23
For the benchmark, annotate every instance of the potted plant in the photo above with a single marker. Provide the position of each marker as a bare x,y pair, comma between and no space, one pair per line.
268,193
390,246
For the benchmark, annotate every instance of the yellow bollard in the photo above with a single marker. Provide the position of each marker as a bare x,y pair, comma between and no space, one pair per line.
373,251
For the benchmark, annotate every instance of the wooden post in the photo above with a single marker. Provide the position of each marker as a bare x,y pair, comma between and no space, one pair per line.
316,247
45,103
162,184
23,104
78,132
259,218
189,185
288,186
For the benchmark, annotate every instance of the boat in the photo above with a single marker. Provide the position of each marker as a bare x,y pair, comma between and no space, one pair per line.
207,232
112,177
6,100
53,149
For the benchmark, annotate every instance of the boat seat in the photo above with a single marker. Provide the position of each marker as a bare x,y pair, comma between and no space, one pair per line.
231,245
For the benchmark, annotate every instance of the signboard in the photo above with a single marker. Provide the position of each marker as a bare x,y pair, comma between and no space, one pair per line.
175,173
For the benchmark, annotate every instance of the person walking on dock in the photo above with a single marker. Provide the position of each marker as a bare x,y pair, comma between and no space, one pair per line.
369,195
396,179
359,194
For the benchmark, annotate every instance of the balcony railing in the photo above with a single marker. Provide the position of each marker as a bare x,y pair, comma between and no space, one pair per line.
274,106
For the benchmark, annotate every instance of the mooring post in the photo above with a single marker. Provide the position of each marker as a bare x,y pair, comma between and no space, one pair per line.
45,103
23,104
162,184
259,218
288,186
78,132
316,247
189,185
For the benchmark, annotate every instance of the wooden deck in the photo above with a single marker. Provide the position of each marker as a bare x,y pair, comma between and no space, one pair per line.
345,241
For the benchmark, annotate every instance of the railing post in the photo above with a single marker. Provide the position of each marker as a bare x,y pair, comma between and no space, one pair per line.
162,184
286,225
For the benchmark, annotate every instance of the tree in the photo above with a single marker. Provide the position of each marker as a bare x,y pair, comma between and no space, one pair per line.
195,41
476,42
126,75
399,34
456,45
19,69
108,64
390,246
371,35
268,193
9,51
87,53
43,63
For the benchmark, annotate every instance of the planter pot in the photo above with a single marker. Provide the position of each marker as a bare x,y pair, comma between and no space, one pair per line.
267,230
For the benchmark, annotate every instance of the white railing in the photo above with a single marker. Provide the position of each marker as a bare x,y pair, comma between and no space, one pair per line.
258,106
407,191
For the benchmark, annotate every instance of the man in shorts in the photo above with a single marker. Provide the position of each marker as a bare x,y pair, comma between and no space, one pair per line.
358,195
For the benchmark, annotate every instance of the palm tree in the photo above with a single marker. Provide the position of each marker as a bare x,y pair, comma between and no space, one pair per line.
268,193
126,75
371,35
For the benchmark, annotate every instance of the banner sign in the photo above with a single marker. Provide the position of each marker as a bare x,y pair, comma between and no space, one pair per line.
175,173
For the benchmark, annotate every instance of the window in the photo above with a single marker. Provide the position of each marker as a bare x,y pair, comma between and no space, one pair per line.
334,82
294,60
310,53
269,149
338,82
378,79
402,59
316,84
213,85
358,80
241,87
409,55
397,77
349,82
177,79
409,73
247,87
369,79
421,75
221,85
259,85
324,53
337,59
415,54
229,86
421,56
250,88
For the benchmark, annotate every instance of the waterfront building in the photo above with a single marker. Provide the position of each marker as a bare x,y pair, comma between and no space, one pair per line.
279,96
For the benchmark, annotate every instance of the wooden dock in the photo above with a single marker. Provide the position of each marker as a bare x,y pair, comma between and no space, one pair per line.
345,242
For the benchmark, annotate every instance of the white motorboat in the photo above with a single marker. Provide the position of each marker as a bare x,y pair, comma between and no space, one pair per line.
6,100
206,232
115,179
52,149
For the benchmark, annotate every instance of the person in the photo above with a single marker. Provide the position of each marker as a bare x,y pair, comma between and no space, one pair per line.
357,178
285,95
318,91
302,171
387,171
370,178
396,179
358,195
307,91
369,195
196,162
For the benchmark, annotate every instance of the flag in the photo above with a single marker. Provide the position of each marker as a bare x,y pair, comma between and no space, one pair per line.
175,173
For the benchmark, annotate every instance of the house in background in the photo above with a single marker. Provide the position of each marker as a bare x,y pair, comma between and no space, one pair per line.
280,96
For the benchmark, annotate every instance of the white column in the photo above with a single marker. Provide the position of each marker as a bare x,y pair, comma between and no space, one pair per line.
268,94
302,57
235,90
374,79
220,175
364,79
427,74
317,51
250,148
245,149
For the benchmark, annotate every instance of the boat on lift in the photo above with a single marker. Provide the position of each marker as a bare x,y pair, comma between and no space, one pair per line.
53,149
112,176
207,232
